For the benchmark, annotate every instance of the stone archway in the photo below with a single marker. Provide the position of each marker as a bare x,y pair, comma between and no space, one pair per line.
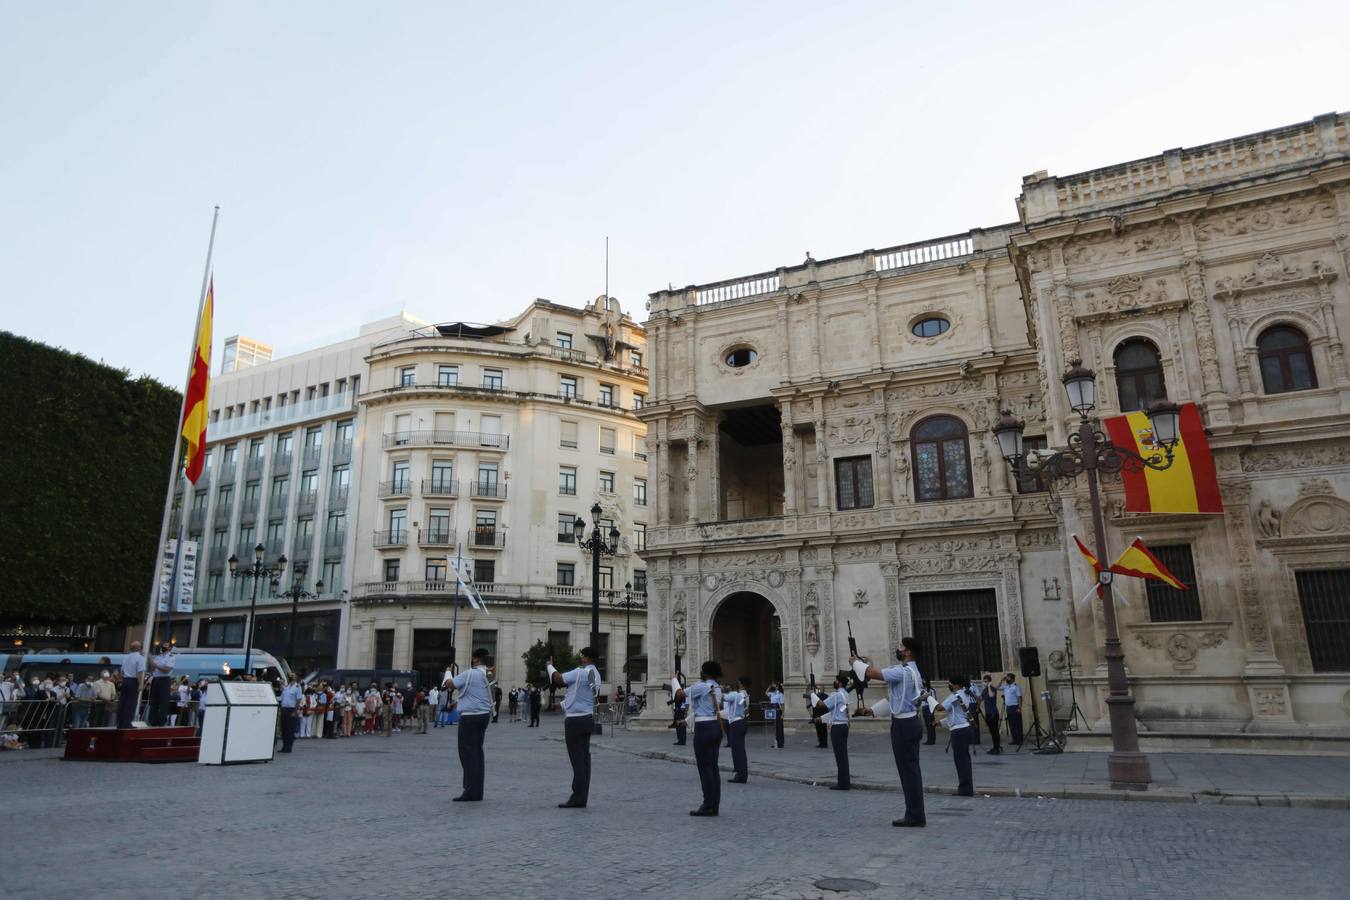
746,637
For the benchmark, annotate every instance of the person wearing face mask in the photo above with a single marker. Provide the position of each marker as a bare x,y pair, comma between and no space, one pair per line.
955,711
7,697
105,698
704,699
1012,708
833,710
84,700
989,706
904,685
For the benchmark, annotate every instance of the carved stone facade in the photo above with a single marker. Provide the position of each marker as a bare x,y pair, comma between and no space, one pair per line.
792,414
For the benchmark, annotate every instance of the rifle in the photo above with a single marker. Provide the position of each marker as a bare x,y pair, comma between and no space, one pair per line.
858,683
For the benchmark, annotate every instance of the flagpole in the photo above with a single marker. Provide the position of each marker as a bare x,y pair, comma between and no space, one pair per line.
454,621
178,449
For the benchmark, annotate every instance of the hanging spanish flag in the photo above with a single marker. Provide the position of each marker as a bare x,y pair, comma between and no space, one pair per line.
1138,562
1189,485
1088,555
194,407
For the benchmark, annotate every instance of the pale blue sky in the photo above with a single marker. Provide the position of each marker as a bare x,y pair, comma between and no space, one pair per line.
457,161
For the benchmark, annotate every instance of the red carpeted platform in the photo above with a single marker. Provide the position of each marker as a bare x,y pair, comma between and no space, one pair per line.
133,744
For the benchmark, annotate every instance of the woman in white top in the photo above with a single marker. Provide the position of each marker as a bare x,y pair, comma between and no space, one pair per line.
704,699
956,713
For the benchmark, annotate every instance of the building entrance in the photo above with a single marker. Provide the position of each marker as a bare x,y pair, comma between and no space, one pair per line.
747,640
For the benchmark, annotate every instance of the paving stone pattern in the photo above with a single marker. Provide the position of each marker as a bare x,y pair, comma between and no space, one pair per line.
372,817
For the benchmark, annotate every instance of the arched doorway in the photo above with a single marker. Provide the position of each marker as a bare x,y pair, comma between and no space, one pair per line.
747,640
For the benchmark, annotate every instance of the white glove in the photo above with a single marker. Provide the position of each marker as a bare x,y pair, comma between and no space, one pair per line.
551,671
860,669
881,709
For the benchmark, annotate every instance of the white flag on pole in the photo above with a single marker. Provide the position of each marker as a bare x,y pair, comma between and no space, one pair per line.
475,600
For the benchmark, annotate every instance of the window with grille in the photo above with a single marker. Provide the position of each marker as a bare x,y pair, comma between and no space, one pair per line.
447,376
1166,603
1325,597
407,376
941,459
853,482
957,633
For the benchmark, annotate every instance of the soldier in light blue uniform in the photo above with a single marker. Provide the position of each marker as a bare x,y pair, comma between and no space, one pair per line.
833,710
582,684
904,684
956,711
475,709
704,699
737,704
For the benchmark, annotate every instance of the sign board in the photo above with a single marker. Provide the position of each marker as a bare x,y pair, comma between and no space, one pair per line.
187,576
240,724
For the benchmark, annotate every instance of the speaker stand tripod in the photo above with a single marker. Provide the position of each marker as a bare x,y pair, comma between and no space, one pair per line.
1076,715
1037,735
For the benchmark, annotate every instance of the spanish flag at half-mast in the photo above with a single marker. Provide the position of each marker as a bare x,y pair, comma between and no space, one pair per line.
1189,485
194,408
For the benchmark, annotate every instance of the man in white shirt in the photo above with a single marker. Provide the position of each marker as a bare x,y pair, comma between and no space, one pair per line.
737,705
161,677
1012,708
583,684
133,677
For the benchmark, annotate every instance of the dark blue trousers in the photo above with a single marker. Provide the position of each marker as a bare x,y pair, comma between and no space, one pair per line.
707,740
736,737
289,721
778,730
1014,714
961,739
839,738
472,730
906,735
577,731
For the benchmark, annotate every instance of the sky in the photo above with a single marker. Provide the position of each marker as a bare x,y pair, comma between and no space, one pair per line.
457,161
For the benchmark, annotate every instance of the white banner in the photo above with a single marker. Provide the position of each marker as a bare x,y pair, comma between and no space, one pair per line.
187,576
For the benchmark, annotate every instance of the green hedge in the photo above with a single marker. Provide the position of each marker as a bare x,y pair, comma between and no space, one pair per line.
83,462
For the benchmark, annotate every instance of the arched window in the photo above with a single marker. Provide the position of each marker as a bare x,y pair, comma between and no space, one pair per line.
1139,375
941,459
1286,360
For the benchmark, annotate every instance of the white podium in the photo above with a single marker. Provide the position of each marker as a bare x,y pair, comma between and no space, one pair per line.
241,724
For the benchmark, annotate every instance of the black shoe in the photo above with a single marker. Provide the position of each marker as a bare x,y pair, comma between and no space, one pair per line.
465,798
965,793
737,780
908,823
930,743
839,787
702,812
571,804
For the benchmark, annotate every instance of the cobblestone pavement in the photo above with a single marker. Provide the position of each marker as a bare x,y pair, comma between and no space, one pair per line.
1277,780
372,817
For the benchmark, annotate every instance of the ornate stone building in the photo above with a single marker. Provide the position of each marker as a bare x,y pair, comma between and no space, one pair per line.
822,454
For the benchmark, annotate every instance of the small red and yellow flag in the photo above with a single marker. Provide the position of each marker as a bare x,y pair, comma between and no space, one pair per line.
1189,485
1138,562
194,408
1088,555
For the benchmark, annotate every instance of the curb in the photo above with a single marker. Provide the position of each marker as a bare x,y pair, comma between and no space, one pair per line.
1160,795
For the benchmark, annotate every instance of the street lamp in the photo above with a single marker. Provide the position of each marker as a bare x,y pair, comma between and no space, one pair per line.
595,545
1089,452
628,604
258,572
295,595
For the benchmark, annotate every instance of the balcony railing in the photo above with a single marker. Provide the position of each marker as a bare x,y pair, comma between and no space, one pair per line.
302,550
446,438
248,515
437,537
222,516
489,538
312,456
276,508
384,539
400,488
272,418
494,490
438,590
307,501
334,540
281,462
226,475
337,495
197,515
342,452
254,465
440,487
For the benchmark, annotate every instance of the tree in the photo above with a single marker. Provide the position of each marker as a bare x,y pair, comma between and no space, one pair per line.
83,463
537,657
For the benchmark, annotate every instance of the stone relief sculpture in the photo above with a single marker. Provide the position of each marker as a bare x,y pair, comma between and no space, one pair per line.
812,629
1268,519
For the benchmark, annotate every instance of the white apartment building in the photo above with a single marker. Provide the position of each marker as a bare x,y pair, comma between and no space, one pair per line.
482,444
282,447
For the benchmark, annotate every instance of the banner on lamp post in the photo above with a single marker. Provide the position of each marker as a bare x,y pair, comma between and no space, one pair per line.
187,576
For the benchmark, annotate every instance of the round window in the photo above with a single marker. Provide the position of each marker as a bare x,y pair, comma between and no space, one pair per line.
930,326
741,357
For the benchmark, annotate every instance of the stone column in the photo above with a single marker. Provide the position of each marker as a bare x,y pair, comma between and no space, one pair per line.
789,461
822,468
403,642
881,477
691,481
785,335
874,308
1193,273
663,474
714,469
1335,347
691,366
982,303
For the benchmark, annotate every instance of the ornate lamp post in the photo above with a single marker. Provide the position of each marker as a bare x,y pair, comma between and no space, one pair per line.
258,572
595,545
1089,452
297,593
627,604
